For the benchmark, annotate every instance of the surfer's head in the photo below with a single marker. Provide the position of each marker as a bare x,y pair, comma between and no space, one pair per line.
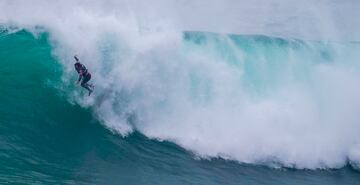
77,64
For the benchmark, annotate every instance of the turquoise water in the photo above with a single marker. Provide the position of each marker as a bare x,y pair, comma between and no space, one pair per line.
44,139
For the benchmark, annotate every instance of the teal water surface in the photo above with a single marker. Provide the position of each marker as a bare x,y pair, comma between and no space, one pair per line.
44,139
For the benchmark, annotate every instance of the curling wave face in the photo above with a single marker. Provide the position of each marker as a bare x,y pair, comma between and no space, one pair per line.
252,98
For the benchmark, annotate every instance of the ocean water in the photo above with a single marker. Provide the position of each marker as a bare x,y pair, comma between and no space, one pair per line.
253,101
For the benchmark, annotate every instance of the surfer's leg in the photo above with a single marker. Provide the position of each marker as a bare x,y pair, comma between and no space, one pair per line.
85,85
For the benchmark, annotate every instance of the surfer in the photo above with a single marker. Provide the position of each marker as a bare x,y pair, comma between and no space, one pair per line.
84,76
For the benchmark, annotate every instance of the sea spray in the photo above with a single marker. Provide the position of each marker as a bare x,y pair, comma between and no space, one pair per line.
250,98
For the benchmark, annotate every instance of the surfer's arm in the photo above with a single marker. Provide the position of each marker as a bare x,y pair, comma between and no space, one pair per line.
80,77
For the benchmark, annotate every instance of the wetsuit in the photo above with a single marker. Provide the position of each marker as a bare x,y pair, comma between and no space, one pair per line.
84,75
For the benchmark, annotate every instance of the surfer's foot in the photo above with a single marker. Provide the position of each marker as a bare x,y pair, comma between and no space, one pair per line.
90,92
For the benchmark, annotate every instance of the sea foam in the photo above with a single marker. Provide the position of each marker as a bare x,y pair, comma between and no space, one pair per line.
254,99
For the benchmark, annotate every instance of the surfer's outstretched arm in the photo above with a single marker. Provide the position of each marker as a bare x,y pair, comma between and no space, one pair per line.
76,58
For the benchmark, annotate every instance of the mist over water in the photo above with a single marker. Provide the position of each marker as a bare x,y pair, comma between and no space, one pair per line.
251,97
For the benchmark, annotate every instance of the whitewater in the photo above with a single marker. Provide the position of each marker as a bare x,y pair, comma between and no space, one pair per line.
272,83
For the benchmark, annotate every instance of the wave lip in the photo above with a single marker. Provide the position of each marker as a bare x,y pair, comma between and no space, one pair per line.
251,98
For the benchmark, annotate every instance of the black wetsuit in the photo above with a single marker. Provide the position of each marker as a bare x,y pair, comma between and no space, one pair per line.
84,75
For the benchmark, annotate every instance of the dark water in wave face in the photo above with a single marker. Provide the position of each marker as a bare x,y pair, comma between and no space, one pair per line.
46,140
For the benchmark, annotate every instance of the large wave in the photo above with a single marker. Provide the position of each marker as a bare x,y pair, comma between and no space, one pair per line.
251,98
